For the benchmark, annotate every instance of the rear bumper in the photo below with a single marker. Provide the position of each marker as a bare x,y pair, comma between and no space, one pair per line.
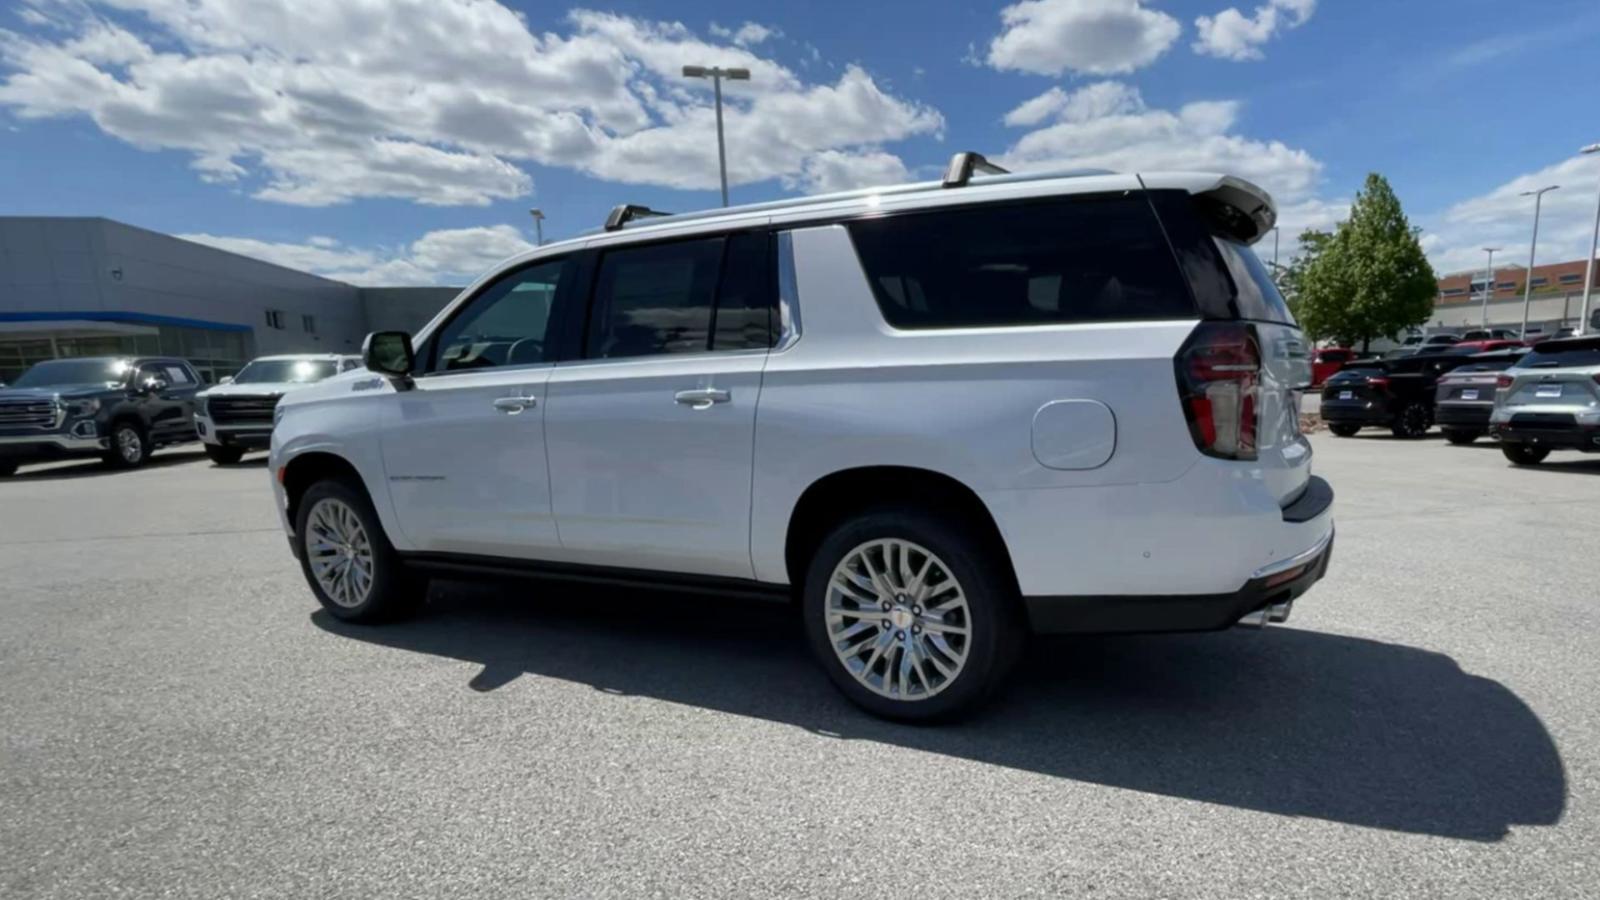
1463,415
1125,614
1356,412
1585,438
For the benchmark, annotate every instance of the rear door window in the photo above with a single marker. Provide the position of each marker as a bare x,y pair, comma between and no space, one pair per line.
1081,259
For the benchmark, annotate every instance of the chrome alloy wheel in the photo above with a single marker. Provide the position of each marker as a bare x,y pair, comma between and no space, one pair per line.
129,445
898,619
339,552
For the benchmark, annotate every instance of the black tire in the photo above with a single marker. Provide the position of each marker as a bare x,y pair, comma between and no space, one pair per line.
116,458
394,591
994,616
1412,422
1341,429
1461,436
7,469
224,456
1524,456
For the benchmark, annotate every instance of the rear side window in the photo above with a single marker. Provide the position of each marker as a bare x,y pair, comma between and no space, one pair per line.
1083,259
1566,354
716,293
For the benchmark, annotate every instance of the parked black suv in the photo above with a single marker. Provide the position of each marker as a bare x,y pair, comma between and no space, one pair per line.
117,408
1397,394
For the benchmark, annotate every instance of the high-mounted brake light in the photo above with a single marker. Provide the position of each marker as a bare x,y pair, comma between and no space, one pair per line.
1219,383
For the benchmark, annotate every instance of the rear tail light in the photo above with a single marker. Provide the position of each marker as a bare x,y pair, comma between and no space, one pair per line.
1219,382
1503,381
1378,381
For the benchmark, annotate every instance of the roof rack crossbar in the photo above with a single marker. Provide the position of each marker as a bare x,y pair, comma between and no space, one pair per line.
627,212
963,164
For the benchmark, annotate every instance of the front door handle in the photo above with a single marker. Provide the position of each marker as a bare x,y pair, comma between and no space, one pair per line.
702,398
513,405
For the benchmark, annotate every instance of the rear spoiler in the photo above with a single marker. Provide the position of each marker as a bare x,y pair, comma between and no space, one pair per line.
1558,345
1234,207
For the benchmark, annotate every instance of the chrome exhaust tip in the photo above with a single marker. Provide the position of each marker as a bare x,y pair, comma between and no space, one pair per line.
1257,619
1279,612
1274,613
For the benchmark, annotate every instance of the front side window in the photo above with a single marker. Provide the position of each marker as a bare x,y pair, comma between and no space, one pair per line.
1081,259
507,324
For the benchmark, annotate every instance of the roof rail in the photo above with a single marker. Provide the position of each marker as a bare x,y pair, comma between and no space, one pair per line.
627,212
963,164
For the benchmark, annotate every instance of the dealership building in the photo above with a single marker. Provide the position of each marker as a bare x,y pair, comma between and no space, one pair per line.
1478,299
94,287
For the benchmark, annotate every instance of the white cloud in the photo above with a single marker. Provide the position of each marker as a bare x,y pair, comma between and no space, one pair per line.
1107,125
435,101
1231,34
450,256
1098,37
745,35
1503,218
832,170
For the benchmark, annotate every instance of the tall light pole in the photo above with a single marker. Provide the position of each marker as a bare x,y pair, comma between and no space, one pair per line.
716,74
1488,288
1594,244
1527,286
538,226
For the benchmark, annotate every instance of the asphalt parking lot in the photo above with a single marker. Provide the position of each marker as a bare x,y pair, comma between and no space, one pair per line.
180,720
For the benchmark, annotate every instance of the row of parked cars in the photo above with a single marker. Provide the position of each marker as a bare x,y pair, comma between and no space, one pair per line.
1535,399
121,409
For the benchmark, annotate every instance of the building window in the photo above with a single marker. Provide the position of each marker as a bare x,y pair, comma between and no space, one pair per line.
275,319
309,324
1572,278
1451,292
1537,282
1505,285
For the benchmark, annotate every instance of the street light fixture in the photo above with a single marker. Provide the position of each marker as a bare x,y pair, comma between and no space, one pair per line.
1594,244
1527,287
1488,288
538,226
716,74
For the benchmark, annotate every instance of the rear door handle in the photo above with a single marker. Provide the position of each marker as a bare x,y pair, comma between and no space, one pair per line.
513,405
702,398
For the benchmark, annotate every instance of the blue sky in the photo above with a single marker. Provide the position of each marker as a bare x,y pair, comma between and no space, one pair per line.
403,141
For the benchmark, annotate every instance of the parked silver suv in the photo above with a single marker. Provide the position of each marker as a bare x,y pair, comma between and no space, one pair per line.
1550,401
939,416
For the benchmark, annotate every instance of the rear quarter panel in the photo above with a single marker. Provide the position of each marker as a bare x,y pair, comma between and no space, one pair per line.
853,392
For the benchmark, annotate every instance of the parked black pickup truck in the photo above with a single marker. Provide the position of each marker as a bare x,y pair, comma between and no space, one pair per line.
116,408
1397,394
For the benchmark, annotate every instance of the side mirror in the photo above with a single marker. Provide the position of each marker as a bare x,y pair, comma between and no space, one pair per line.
154,384
226,379
389,353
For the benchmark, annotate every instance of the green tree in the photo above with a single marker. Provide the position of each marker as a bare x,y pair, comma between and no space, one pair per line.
1292,277
1371,278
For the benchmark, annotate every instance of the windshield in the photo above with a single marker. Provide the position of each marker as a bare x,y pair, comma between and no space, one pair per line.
74,371
286,371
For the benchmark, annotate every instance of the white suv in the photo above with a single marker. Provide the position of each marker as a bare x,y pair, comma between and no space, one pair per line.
235,416
940,416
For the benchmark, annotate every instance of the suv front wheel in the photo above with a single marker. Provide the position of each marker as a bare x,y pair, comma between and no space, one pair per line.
130,447
1524,456
910,616
348,560
224,456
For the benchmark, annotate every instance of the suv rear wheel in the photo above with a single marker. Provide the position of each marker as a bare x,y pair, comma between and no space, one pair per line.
1344,430
224,456
910,616
1412,421
1524,456
130,447
7,469
347,559
1461,436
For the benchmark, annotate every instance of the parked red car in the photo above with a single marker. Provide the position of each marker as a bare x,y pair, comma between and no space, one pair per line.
1472,347
1327,361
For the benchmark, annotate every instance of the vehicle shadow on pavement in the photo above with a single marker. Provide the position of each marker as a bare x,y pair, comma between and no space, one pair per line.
90,468
1285,721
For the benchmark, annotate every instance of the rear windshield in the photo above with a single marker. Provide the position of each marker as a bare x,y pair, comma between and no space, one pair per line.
1080,259
1487,365
1357,374
1563,354
1255,293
